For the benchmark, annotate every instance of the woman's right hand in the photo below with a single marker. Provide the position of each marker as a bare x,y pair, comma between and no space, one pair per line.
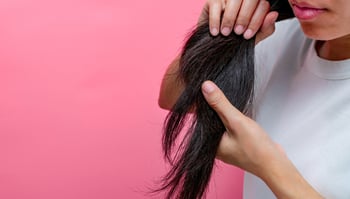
246,145
244,17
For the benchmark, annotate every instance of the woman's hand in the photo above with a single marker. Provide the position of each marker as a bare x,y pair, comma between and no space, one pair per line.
247,17
246,145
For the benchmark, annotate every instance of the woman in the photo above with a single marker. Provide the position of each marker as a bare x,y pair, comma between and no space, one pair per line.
297,145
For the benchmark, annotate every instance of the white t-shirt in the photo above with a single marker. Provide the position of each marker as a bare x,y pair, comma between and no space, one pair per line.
303,102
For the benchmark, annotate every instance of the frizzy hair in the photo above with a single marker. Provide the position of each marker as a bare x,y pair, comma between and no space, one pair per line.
229,62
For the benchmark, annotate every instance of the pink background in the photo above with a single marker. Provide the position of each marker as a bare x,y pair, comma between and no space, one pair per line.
79,83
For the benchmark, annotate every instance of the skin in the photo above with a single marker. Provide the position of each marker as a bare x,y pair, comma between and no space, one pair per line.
246,144
331,28
255,19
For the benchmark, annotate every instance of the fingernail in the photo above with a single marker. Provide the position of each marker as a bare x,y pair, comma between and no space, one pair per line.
208,87
214,31
248,34
226,31
239,29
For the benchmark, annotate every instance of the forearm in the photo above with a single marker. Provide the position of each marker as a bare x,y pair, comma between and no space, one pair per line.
171,86
286,182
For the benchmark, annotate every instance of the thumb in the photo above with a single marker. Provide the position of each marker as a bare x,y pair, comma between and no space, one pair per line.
268,26
230,116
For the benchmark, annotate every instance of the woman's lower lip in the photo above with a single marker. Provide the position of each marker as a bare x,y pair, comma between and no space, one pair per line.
305,13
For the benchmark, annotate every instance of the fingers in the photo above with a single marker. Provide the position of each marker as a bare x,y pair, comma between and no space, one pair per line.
229,17
215,9
243,16
230,116
257,19
247,9
268,26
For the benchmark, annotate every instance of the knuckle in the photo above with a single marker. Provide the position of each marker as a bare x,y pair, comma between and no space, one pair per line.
264,6
239,121
243,20
254,26
214,3
228,21
264,3
215,100
268,31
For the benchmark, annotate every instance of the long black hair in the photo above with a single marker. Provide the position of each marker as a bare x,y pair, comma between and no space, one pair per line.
229,62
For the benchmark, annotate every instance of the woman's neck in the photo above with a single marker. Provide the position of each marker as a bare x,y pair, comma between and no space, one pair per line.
335,50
